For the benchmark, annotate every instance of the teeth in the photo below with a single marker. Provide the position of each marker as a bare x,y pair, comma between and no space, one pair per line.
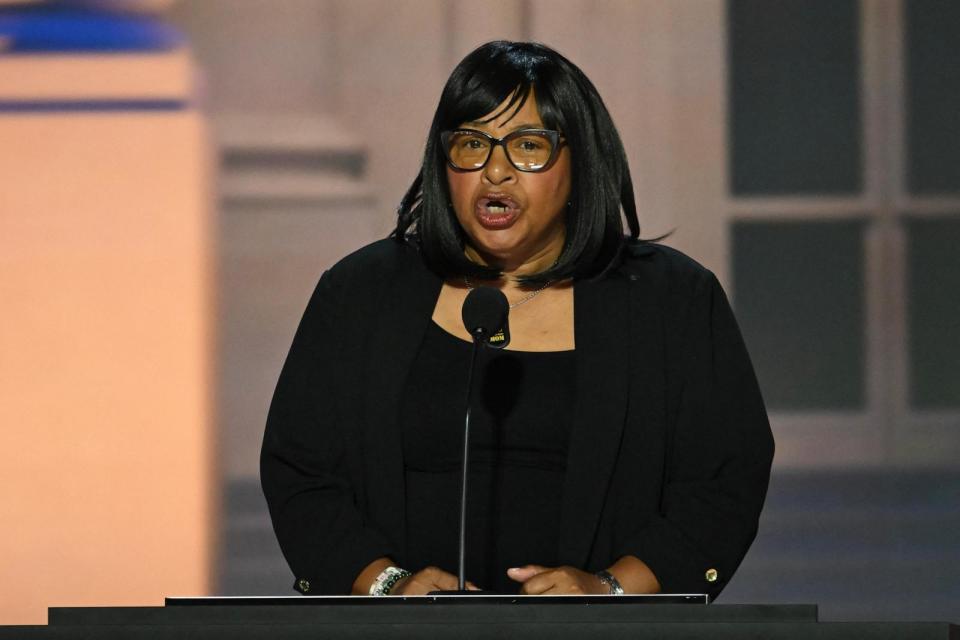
493,208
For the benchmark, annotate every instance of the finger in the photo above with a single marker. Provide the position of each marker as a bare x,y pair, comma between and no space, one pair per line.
472,587
522,574
400,587
415,585
519,574
541,583
445,581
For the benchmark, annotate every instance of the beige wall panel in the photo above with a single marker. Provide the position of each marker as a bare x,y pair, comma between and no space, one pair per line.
698,126
259,59
471,24
106,469
624,49
659,67
698,134
393,62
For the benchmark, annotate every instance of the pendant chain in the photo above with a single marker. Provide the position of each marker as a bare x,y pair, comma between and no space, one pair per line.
527,298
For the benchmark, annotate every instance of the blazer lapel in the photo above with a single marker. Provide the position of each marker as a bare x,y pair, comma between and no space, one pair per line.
403,316
601,333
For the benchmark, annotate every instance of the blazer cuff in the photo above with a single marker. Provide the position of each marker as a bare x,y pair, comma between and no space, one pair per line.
678,566
333,570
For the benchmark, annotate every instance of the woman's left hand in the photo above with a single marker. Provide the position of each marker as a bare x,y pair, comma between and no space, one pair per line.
539,580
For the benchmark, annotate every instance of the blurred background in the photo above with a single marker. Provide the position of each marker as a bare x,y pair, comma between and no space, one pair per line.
176,176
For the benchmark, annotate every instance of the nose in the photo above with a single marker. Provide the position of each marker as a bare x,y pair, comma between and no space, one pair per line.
498,169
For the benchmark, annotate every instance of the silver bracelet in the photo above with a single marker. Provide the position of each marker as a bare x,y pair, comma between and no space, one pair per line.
608,579
387,579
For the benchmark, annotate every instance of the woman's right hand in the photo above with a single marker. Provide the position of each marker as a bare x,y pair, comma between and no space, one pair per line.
427,580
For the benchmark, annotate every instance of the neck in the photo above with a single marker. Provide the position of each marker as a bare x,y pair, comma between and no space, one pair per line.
517,268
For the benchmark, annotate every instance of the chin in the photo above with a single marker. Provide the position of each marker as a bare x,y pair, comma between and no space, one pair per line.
499,249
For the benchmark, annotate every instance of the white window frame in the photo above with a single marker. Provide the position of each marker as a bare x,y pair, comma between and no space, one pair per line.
888,430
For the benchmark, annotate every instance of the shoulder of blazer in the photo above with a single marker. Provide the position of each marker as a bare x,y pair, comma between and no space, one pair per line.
374,265
663,266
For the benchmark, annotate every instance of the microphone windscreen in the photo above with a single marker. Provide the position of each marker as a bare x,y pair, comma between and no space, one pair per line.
485,312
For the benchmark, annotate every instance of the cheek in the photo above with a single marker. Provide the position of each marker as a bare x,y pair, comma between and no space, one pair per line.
559,189
555,187
461,185
555,184
565,182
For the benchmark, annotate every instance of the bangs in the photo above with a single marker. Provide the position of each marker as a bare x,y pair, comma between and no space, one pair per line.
481,85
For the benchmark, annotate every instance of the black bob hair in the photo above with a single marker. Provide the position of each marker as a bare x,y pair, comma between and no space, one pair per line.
569,103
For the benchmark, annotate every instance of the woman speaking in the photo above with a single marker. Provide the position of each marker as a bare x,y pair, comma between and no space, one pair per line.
619,444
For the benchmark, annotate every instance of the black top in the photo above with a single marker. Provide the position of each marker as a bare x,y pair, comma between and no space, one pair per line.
669,451
519,430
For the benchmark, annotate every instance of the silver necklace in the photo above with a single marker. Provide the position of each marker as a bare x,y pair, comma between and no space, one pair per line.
527,298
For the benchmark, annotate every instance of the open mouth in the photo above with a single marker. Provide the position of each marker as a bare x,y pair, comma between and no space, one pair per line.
497,207
497,211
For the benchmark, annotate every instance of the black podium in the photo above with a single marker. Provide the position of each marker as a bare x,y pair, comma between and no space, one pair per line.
529,618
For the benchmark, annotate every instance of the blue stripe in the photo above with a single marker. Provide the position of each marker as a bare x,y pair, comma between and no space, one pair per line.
60,106
68,26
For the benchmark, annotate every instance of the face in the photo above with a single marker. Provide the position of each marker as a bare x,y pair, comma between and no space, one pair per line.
513,219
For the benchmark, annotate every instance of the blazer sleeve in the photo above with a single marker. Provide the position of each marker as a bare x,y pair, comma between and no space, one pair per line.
305,457
718,455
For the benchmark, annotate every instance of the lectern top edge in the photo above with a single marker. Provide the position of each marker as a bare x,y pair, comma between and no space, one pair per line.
486,599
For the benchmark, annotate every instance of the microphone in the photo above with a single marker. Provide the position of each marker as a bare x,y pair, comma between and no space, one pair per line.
485,312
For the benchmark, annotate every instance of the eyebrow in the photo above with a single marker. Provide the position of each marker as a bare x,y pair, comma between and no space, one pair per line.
526,125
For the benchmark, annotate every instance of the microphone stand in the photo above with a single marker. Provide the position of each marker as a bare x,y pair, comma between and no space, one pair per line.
462,557
462,551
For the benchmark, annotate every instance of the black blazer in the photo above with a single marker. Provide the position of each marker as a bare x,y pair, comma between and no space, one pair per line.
670,450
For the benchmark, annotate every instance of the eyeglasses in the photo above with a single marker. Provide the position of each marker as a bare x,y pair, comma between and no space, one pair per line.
527,149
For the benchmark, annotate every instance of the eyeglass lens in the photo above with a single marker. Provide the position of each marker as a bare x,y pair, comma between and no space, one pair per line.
528,151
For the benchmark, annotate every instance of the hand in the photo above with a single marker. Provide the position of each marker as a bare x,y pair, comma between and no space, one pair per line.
427,580
539,580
